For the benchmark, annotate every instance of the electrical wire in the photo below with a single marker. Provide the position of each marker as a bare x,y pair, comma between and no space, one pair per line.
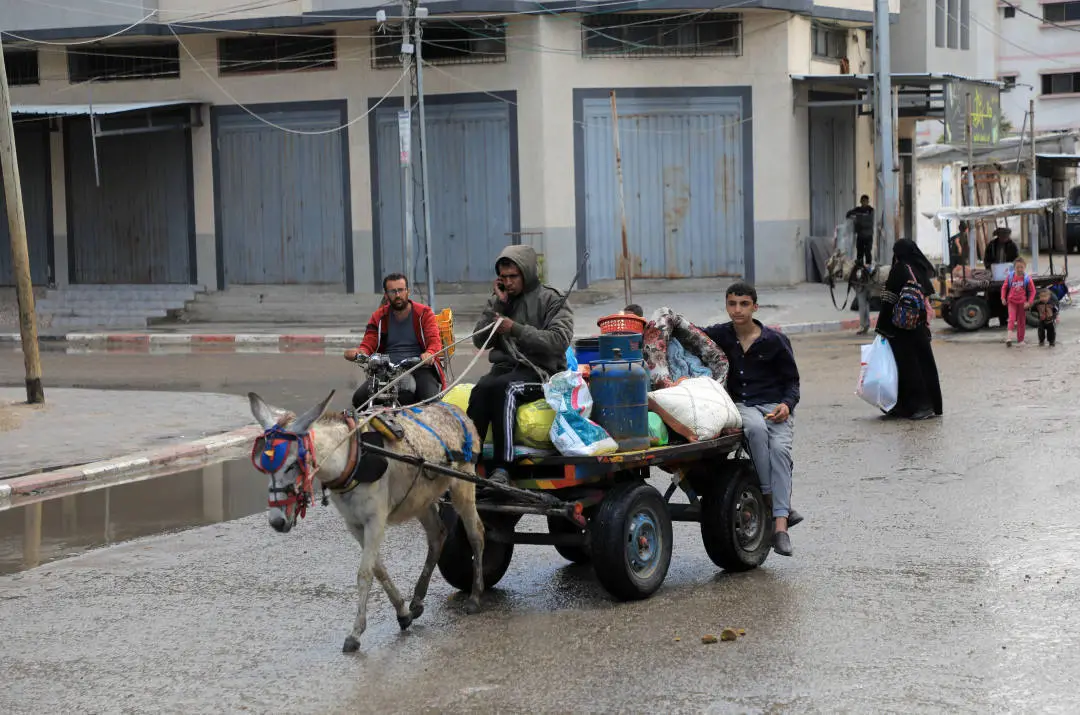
81,42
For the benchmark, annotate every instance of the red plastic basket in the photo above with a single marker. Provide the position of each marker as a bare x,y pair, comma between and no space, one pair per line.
620,323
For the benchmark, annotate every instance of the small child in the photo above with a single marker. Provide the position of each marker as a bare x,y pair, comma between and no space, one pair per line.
1018,293
1047,307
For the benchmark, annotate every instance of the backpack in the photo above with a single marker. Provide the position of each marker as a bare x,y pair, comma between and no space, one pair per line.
910,304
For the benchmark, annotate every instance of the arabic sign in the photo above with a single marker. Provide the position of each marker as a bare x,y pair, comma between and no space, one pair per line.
985,113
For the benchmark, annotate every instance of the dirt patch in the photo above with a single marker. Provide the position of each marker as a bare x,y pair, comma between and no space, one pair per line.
12,414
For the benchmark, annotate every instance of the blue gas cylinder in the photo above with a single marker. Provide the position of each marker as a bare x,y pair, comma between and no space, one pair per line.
620,393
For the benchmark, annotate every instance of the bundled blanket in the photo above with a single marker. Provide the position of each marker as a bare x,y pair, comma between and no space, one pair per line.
668,328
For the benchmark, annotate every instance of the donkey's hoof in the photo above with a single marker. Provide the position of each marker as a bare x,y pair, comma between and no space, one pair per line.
404,622
416,610
472,607
351,645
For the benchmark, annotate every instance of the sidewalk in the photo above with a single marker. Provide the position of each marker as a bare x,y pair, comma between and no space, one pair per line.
805,308
45,445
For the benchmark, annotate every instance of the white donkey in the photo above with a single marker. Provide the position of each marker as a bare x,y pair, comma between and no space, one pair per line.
372,491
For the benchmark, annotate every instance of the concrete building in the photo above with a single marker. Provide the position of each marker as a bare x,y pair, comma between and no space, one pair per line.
1038,56
225,146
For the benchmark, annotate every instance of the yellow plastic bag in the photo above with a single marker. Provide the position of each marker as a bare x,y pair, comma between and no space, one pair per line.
533,426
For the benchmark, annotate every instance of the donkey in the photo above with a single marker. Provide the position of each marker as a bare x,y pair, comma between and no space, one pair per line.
371,491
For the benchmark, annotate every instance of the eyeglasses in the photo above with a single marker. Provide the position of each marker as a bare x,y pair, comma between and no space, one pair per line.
397,291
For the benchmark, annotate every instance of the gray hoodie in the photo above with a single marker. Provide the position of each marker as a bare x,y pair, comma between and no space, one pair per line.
543,321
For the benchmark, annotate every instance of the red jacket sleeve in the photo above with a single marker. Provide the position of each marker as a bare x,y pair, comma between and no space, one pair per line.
370,343
430,327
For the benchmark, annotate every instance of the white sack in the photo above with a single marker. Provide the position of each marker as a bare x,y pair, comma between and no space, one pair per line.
698,409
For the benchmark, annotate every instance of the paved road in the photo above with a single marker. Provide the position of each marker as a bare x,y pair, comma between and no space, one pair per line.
935,573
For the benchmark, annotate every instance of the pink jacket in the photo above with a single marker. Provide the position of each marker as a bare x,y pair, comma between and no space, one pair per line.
1018,291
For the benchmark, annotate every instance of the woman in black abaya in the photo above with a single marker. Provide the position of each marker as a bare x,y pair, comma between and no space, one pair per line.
919,390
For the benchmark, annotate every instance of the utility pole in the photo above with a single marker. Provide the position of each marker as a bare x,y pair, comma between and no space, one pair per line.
1033,193
970,183
885,130
405,135
20,254
421,14
627,291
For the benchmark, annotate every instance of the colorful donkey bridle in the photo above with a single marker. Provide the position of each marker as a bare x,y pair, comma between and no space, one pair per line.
269,453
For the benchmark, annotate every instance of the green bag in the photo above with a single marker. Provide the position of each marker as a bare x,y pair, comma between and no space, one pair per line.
658,434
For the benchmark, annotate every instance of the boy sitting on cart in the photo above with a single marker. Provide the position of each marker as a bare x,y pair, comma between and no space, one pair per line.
764,383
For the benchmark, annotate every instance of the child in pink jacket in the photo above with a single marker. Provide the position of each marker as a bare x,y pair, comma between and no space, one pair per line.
1018,293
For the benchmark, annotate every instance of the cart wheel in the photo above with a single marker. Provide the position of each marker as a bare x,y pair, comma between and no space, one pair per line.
947,313
971,313
631,541
574,554
736,525
455,562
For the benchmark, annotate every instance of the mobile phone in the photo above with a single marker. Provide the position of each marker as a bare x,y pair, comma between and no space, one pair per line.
501,286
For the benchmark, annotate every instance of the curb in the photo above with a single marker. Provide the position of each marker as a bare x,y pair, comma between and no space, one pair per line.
139,461
273,343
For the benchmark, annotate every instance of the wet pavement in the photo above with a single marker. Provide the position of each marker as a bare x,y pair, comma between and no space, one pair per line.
935,572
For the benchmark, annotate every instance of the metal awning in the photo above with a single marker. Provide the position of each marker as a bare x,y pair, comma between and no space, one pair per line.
976,213
1059,159
921,95
85,110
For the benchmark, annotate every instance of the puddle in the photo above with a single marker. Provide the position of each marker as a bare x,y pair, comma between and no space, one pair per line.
52,529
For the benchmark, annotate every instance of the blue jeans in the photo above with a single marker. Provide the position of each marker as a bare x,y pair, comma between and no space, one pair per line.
770,447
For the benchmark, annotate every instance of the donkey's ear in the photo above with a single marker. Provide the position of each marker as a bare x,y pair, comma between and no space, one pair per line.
304,421
264,414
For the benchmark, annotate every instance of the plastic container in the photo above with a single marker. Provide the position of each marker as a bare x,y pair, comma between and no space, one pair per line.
587,350
620,393
622,323
620,346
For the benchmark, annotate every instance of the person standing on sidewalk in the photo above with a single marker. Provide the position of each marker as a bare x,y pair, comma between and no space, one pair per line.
1018,294
764,383
863,216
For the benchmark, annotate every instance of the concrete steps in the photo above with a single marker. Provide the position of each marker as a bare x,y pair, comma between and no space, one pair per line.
112,306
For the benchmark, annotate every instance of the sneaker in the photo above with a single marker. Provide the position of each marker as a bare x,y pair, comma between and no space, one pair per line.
500,476
1008,340
1052,344
1042,343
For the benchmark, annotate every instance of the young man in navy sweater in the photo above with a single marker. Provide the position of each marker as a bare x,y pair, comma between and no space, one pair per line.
764,383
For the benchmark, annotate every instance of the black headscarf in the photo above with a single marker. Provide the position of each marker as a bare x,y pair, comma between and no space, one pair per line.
907,253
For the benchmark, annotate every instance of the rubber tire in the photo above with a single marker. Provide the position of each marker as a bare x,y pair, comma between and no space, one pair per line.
573,554
719,506
608,531
971,313
947,314
455,562
1032,319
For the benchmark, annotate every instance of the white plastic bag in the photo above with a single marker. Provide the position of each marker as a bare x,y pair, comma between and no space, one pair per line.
878,378
572,433
698,409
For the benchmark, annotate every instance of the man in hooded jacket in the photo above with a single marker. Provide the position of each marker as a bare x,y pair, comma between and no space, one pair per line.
529,346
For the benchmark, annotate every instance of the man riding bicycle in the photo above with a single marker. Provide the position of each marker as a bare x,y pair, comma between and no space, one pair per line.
402,329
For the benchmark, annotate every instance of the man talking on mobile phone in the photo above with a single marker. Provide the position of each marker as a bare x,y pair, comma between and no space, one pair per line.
529,346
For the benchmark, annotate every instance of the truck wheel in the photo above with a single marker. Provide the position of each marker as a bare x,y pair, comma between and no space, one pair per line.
631,541
574,554
456,560
736,524
947,313
971,313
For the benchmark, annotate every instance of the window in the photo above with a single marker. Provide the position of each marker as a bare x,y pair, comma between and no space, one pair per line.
1009,80
449,42
965,24
1061,83
1062,12
104,63
953,26
662,35
828,41
939,23
1009,11
22,67
276,53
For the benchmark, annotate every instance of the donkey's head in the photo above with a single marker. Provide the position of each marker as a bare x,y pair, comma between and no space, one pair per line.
286,452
